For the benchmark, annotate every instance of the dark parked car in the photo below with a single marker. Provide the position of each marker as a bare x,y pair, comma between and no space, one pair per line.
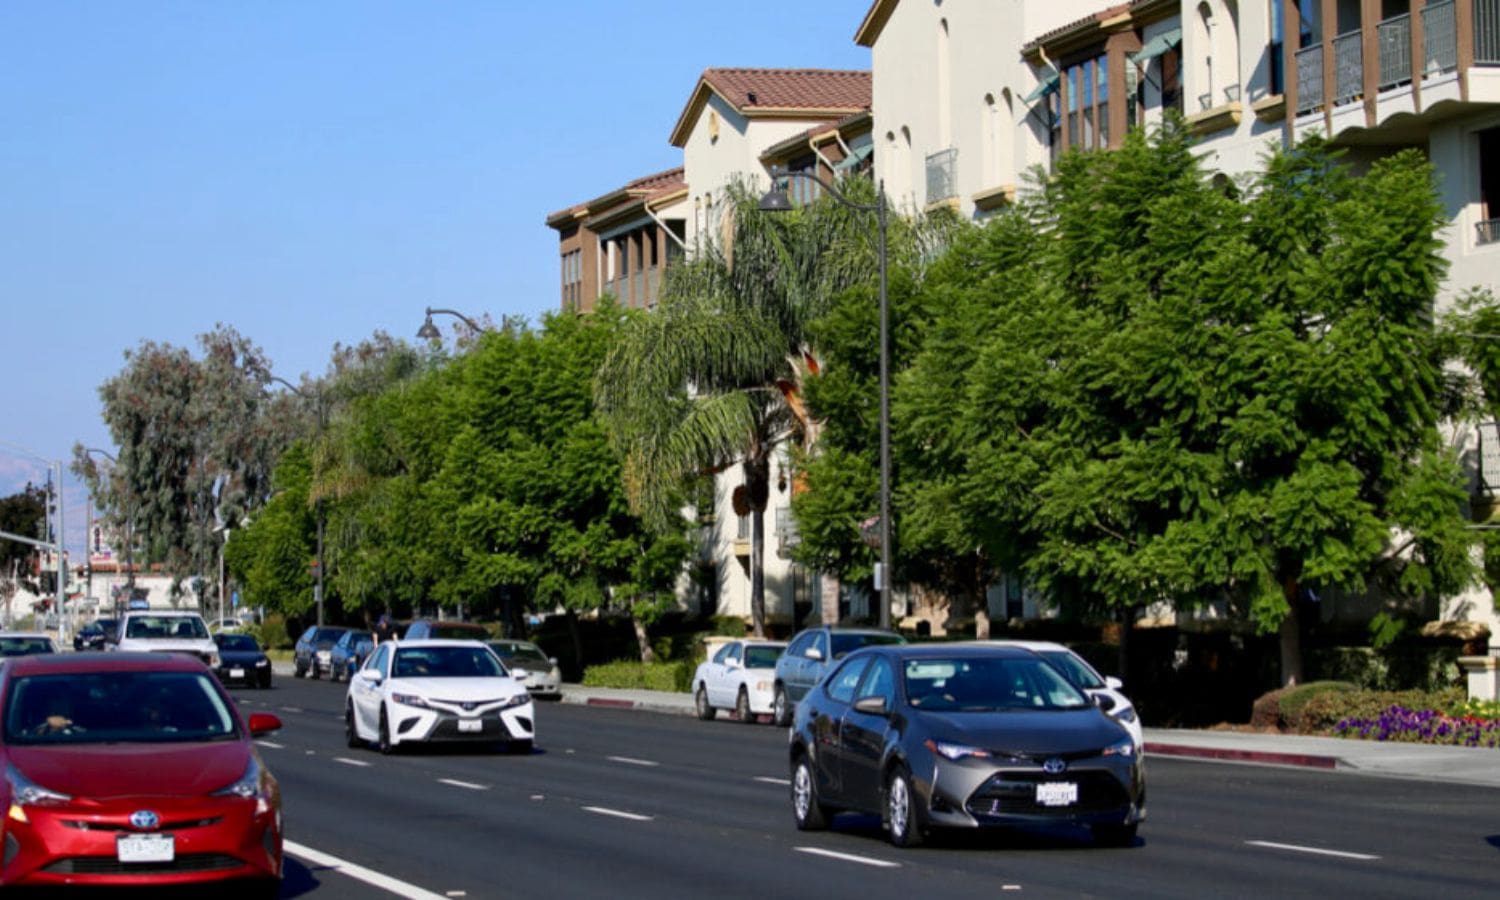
351,651
313,653
426,629
241,660
810,654
961,736
93,635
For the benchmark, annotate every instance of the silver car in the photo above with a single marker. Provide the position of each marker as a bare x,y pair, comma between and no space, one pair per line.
810,655
531,666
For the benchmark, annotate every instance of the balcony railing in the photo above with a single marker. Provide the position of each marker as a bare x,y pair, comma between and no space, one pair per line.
1487,32
1489,231
1309,78
942,180
1348,67
1395,51
1440,38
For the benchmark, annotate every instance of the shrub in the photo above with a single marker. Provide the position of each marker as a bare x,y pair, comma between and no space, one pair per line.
272,633
1294,700
1398,723
1474,709
667,676
1324,712
1265,712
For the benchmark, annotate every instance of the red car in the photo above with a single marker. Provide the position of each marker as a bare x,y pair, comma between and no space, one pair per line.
132,769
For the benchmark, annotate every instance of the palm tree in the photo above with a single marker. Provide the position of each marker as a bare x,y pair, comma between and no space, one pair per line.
713,378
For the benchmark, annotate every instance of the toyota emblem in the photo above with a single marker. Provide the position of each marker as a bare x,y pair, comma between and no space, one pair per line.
469,706
1055,766
144,819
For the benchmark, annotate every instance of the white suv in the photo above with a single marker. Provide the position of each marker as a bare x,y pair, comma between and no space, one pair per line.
167,631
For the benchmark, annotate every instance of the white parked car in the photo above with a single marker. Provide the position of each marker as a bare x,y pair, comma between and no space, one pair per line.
741,676
167,631
529,665
1087,678
411,692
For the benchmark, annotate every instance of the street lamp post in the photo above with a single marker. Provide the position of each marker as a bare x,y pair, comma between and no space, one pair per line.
317,506
129,538
776,200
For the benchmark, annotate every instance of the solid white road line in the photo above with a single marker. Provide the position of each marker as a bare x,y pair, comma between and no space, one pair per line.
351,762
291,709
1293,847
764,780
272,744
463,784
632,761
634,817
849,857
360,873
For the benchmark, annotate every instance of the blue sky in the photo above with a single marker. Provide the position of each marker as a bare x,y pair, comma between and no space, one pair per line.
313,172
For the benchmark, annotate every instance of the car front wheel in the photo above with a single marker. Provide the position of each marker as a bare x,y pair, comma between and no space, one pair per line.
810,813
742,708
700,703
781,710
901,810
351,734
384,740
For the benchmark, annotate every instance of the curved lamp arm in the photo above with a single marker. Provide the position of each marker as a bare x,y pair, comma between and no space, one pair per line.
776,199
428,331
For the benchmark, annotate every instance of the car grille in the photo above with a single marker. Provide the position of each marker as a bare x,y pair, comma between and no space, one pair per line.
447,730
108,865
81,825
1014,793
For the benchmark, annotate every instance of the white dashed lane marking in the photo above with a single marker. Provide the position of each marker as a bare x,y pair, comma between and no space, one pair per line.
766,780
618,814
272,744
849,857
469,785
360,873
1342,854
632,761
351,762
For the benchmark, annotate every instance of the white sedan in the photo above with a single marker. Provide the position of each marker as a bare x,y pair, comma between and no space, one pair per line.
437,690
1106,691
739,677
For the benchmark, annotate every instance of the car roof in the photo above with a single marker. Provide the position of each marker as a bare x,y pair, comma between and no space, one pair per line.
99,661
945,651
1025,645
758,642
438,642
162,612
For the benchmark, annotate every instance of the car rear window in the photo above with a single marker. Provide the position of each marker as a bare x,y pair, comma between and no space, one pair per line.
237,642
181,627
12,646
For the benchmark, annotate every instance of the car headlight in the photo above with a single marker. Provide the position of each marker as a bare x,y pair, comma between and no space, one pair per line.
261,663
1123,748
956,751
250,785
25,792
517,700
410,700
213,660
1125,715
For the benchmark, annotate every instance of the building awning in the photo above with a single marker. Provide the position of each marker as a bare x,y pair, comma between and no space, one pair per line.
1157,46
1047,85
856,156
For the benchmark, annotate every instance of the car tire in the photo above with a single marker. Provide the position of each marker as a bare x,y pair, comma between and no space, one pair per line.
900,813
351,734
700,703
1115,835
384,741
258,889
808,811
299,670
312,670
265,682
742,708
781,709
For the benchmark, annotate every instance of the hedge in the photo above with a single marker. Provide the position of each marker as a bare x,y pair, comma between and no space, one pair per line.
667,676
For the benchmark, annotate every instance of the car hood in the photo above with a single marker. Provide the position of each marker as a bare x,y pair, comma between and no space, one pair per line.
1028,731
240,657
103,771
488,688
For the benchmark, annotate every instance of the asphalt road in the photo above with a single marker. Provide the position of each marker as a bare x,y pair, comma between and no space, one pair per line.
617,803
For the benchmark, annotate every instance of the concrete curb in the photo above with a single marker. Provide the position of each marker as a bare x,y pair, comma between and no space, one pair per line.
1262,757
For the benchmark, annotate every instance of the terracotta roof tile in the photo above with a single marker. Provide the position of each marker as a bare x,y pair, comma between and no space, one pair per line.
649,187
801,89
1102,15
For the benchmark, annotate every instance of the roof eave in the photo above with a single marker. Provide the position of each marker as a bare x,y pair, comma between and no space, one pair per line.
874,22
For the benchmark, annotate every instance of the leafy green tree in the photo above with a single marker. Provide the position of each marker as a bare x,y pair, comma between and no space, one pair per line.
23,513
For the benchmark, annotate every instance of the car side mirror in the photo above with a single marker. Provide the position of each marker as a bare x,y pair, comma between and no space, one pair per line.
733,664
1114,683
552,659
263,723
813,653
1104,702
371,675
875,706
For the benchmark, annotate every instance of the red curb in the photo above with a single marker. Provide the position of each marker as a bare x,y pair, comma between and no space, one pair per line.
1258,756
617,704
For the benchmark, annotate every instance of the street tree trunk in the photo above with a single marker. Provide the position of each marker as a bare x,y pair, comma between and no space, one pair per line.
981,600
758,487
642,638
1291,639
829,599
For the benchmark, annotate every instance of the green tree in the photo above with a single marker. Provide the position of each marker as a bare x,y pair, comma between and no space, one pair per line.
23,513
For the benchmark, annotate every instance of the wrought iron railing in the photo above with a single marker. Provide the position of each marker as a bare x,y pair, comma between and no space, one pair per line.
1395,51
1309,78
1487,32
942,180
1439,38
1489,231
1348,67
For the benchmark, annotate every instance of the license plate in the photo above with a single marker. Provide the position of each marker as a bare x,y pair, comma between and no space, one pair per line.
1056,793
470,725
142,848
236,673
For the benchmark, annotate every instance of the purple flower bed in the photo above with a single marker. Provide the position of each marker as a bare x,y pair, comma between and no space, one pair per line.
1426,726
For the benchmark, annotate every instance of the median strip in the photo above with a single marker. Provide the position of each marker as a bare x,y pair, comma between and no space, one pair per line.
618,814
849,857
1342,854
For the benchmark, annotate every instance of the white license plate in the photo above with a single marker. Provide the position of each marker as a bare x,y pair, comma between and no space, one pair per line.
236,673
470,725
141,848
1056,793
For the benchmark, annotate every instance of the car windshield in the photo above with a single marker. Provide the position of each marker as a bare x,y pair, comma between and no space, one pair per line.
25,646
237,642
521,653
761,657
848,642
186,627
1074,668
988,684
446,662
327,635
116,707
458,630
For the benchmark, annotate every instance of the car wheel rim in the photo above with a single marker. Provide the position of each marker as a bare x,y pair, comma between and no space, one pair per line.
802,791
900,806
702,701
780,706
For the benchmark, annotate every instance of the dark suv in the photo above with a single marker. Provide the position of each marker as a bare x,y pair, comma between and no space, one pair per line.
809,656
313,654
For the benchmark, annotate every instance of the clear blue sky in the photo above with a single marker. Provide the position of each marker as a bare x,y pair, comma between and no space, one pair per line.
313,172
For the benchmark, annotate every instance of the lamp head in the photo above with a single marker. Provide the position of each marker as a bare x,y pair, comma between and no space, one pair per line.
428,331
775,200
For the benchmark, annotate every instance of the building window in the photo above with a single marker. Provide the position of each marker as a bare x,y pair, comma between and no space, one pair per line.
572,279
803,191
1086,86
1489,185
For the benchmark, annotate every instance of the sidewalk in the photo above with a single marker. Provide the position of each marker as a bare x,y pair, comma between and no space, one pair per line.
1459,765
